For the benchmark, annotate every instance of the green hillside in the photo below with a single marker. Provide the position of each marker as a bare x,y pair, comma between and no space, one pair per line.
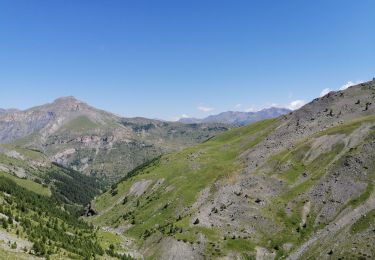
29,185
301,186
41,223
167,197
185,173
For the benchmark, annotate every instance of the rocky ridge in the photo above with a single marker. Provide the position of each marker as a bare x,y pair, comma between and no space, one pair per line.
272,189
93,141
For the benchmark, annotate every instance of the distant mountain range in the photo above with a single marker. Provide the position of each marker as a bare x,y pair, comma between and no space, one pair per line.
95,142
98,143
299,186
239,118
11,110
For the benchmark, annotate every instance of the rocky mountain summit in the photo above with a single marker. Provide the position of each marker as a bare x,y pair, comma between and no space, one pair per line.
298,187
239,118
93,141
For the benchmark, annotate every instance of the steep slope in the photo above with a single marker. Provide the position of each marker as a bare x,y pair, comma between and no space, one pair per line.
40,206
240,118
30,168
298,186
34,226
94,142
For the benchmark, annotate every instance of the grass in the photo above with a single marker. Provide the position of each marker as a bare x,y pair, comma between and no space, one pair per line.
364,222
361,198
294,194
106,239
186,173
14,256
316,168
295,158
28,184
239,245
30,154
348,127
81,123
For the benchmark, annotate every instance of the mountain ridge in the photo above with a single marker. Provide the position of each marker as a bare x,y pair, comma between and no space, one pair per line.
272,189
74,134
239,118
293,187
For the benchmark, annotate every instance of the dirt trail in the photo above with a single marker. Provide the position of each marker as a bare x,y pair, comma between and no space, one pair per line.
336,225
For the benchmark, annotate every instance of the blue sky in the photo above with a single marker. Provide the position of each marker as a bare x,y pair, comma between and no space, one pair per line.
165,59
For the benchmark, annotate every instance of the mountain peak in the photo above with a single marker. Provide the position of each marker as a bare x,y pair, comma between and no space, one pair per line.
68,103
67,99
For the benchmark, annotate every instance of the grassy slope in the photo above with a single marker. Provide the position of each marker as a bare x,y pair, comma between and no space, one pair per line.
188,172
136,141
185,174
38,218
64,177
66,185
9,255
81,123
28,184
296,194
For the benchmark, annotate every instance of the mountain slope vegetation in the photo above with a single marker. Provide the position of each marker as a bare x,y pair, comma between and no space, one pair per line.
94,142
32,170
36,224
299,186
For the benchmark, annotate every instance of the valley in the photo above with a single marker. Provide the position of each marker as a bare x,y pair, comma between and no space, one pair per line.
297,186
187,130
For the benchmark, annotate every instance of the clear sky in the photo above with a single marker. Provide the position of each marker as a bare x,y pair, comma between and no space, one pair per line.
165,59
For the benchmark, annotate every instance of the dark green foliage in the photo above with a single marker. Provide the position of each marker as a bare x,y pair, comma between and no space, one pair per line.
138,127
139,169
45,223
73,187
5,224
166,229
111,252
13,246
38,249
134,172
114,192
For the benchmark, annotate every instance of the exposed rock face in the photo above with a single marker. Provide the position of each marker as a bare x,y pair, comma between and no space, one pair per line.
172,249
341,183
96,142
89,211
139,188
